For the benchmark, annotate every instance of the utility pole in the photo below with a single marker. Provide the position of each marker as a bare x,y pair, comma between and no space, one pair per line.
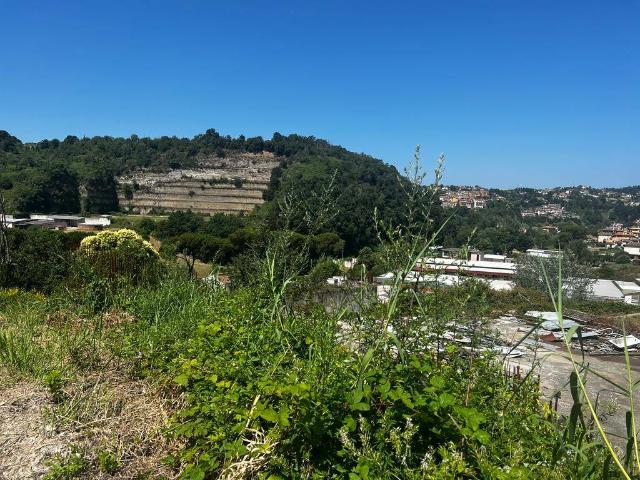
5,257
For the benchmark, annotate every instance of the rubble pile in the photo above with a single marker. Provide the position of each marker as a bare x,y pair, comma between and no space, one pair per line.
543,329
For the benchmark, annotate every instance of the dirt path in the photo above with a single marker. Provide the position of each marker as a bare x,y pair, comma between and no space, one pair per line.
106,412
26,440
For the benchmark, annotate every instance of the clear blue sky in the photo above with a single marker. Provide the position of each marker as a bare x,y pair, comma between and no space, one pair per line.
535,93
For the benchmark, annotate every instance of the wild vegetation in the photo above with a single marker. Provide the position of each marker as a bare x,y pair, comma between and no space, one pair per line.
257,381
53,175
75,174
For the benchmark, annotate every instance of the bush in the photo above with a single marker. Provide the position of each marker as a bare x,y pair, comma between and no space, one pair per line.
40,259
323,270
119,252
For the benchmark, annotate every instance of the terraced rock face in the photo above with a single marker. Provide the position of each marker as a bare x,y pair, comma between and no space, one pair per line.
232,184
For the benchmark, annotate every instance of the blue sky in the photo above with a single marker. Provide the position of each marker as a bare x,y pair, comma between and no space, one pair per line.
515,93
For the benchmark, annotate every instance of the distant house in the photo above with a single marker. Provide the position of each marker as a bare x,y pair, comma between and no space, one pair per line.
12,222
605,234
550,228
40,223
534,252
336,280
552,210
92,224
479,256
633,249
620,238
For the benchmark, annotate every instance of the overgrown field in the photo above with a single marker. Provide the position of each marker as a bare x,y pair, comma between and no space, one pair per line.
177,378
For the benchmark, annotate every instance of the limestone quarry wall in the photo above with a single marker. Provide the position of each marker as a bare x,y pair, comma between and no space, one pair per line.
232,184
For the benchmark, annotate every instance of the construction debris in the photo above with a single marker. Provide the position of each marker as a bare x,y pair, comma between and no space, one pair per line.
554,325
548,330
631,342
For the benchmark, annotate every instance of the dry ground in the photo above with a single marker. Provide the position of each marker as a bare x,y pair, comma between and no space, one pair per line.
102,414
27,441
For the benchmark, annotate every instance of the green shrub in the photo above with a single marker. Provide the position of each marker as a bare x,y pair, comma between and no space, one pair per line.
290,401
54,381
67,468
108,462
119,253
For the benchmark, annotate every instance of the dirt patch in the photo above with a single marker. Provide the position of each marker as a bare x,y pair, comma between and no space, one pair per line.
106,413
27,442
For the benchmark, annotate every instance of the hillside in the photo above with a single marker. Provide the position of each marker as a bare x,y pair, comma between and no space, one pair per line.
208,173
231,184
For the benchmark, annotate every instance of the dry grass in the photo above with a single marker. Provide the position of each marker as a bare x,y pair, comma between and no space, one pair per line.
631,322
101,409
26,440
122,416
201,269
102,412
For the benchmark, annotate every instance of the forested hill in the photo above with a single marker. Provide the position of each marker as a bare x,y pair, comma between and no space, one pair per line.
75,174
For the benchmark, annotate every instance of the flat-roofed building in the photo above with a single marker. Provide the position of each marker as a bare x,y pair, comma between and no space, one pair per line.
633,249
10,221
616,290
535,252
475,268
67,220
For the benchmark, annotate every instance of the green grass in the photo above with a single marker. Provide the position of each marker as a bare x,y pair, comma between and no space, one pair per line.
36,338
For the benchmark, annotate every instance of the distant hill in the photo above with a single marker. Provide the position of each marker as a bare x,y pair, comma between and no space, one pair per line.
206,173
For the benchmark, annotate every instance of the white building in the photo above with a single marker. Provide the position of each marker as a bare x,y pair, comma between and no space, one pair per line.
336,280
10,221
633,249
605,235
430,279
477,268
533,252
101,221
616,290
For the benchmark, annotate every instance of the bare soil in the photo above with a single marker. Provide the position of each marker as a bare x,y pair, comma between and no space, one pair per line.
26,440
103,412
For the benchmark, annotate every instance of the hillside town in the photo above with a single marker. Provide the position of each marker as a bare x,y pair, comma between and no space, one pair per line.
467,197
629,197
620,236
550,210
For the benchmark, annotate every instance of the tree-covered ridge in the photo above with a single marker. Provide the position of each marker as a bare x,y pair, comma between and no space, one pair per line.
31,171
79,174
